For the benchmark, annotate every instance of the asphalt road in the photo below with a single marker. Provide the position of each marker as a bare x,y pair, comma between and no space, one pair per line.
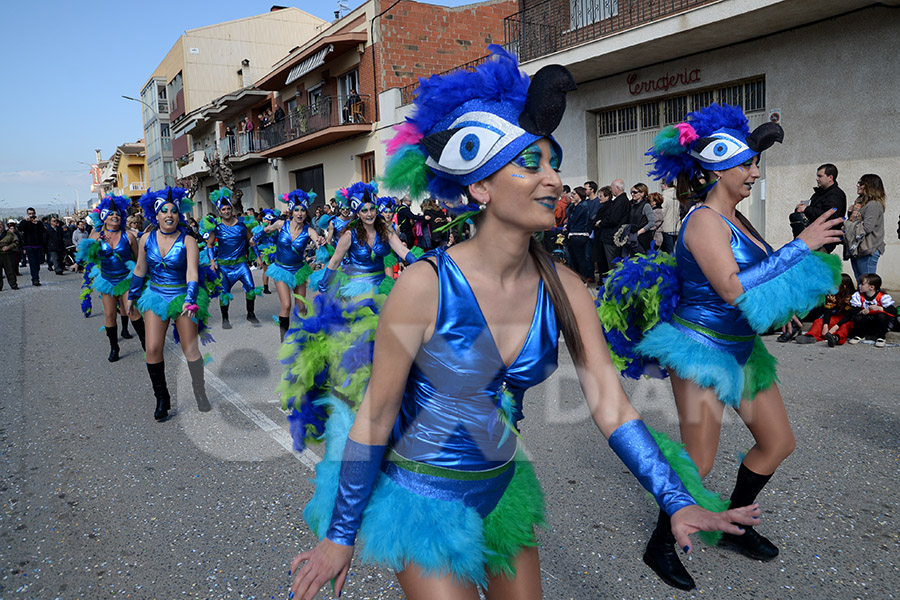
100,501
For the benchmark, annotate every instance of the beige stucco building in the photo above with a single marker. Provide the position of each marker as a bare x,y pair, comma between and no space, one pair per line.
206,63
826,69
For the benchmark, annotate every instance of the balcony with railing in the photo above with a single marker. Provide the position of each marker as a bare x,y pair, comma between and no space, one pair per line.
556,25
326,121
408,92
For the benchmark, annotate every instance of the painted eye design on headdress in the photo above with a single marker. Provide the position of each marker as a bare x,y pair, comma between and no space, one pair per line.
104,213
468,146
471,141
719,147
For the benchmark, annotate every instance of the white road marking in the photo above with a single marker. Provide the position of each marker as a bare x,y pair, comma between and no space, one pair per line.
283,438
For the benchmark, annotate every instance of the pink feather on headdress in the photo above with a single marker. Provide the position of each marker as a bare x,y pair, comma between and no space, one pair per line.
686,134
407,135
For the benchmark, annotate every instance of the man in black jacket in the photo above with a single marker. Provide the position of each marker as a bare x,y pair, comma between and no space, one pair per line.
826,195
33,242
406,219
612,216
56,244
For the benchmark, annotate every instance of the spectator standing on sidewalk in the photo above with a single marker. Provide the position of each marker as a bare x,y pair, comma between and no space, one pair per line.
826,195
9,245
34,243
671,218
864,228
56,245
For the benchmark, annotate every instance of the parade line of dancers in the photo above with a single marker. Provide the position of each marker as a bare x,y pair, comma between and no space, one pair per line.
415,383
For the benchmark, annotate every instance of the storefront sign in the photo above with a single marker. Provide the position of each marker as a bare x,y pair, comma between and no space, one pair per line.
662,84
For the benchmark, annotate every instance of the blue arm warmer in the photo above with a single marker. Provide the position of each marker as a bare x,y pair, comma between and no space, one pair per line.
634,445
136,287
410,258
210,252
791,281
359,469
779,262
327,276
191,296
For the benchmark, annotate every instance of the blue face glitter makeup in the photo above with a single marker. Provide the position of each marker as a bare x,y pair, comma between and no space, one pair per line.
520,176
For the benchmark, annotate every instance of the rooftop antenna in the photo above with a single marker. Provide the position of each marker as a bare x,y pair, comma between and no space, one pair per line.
342,9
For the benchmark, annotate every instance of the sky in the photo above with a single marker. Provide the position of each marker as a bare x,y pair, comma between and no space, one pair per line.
68,66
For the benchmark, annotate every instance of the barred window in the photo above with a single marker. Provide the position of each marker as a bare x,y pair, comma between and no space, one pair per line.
755,95
628,119
703,99
675,109
606,122
650,115
733,94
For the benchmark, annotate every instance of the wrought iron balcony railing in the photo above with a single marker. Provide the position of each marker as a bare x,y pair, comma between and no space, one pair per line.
559,24
408,93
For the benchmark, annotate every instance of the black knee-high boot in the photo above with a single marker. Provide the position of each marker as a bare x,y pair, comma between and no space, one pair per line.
751,544
139,330
157,373
251,315
198,381
226,324
284,323
125,334
113,334
662,557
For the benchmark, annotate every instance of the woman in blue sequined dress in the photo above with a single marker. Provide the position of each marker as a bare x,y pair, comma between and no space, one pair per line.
429,481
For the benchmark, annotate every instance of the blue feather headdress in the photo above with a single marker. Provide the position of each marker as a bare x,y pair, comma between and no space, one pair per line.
269,215
118,204
221,197
468,124
713,138
357,195
385,204
152,201
298,198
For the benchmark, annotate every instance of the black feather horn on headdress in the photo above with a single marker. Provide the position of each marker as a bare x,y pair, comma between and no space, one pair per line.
546,101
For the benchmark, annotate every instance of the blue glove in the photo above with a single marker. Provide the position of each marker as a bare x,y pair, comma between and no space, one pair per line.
211,253
136,287
410,258
191,296
634,445
359,470
327,276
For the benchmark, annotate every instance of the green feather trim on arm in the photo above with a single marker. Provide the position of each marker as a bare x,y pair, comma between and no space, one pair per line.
687,471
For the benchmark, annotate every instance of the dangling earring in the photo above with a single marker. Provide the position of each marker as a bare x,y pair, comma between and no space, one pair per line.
482,206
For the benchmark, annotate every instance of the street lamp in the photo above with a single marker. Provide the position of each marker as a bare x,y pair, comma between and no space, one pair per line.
142,102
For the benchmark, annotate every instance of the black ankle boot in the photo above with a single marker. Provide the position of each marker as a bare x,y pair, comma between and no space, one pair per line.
198,381
139,330
284,323
125,334
662,557
266,289
226,324
157,373
751,544
113,334
251,315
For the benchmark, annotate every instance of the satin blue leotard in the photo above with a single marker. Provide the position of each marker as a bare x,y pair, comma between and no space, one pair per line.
231,256
449,414
113,261
701,312
290,252
167,274
364,265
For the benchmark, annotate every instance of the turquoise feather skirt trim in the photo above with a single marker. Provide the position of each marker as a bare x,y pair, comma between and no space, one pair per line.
288,275
111,287
708,366
439,536
169,307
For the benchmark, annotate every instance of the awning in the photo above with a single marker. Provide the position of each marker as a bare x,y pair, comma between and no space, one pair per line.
313,62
